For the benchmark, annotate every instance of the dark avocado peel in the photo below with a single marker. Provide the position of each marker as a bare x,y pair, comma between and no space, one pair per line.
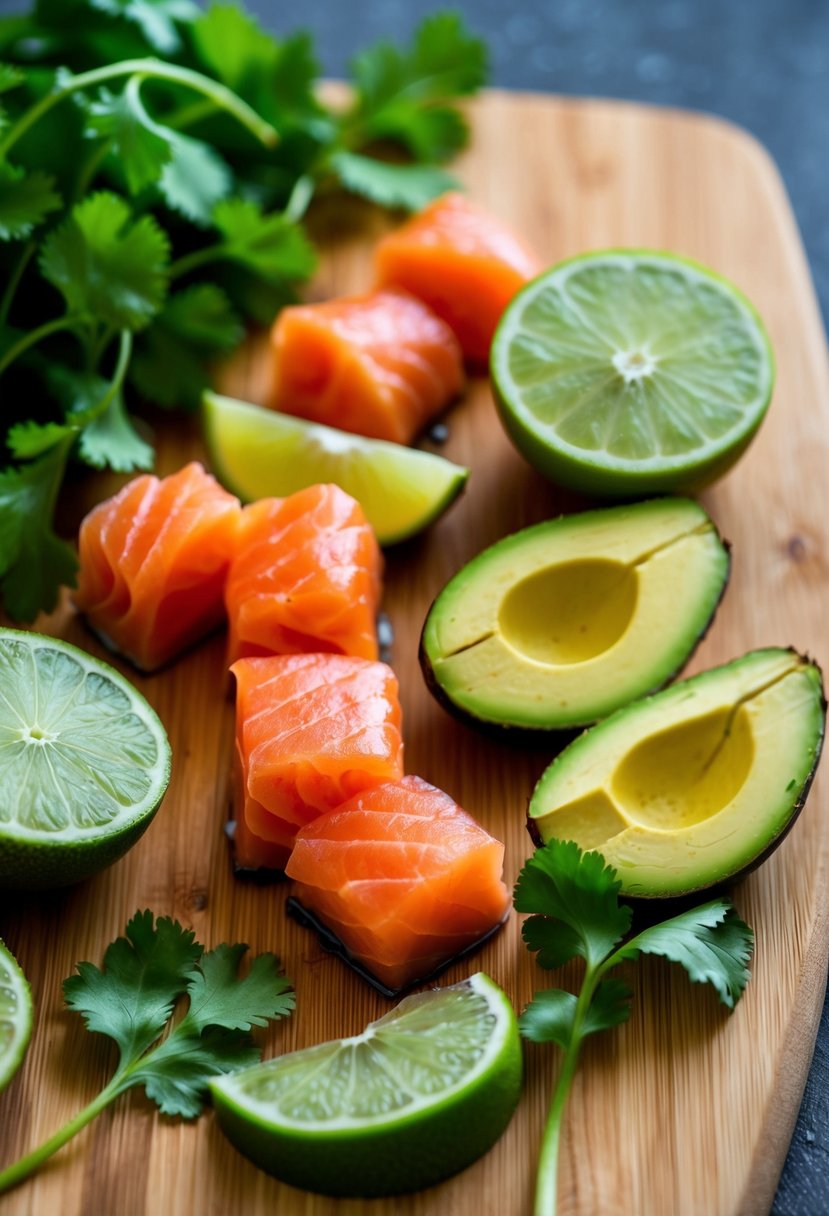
558,625
696,785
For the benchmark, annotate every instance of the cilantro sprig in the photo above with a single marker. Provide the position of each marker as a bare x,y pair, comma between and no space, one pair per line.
157,160
133,1000
576,913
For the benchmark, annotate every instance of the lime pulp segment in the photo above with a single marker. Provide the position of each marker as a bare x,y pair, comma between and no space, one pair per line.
418,1095
15,1016
84,761
632,371
259,453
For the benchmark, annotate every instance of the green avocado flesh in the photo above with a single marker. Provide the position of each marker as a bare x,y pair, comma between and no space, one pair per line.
696,784
562,623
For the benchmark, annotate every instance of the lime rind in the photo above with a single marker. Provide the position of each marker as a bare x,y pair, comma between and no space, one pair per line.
81,751
15,1015
394,1070
258,453
631,370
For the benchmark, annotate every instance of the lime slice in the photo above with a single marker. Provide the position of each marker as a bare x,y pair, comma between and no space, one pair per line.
417,1096
84,762
258,453
630,372
15,1016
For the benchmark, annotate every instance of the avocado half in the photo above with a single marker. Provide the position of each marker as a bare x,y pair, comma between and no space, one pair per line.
558,625
695,785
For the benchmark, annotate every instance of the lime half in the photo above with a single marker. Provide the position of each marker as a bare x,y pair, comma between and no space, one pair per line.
630,372
84,762
258,453
417,1096
15,1016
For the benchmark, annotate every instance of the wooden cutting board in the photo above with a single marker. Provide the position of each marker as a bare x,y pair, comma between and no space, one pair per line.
685,1110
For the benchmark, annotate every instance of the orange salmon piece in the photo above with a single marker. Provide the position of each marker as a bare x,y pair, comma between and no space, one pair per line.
153,564
380,365
312,730
461,261
307,577
404,878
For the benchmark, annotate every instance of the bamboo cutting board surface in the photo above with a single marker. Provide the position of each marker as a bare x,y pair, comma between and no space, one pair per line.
685,1110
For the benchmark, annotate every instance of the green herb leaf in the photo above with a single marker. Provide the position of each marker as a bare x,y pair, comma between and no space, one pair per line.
580,891
177,1074
195,179
555,942
143,976
155,18
10,77
408,186
108,267
112,442
609,1007
232,44
29,439
549,1017
25,200
271,245
34,562
710,942
219,998
140,144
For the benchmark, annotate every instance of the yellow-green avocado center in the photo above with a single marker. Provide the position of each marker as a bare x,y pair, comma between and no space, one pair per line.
688,787
560,624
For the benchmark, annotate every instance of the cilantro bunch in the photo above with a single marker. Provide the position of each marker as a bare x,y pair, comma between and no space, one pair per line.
132,1000
156,163
574,897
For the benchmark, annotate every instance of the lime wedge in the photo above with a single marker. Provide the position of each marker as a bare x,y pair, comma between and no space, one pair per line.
258,453
84,762
630,372
15,1016
417,1096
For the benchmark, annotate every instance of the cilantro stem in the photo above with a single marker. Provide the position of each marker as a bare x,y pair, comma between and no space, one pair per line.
32,1161
14,279
153,69
300,197
34,336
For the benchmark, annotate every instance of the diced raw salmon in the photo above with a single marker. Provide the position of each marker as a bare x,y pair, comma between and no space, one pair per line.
380,365
461,261
306,577
153,563
404,878
312,730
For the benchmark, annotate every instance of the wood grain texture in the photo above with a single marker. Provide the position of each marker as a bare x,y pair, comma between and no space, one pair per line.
684,1110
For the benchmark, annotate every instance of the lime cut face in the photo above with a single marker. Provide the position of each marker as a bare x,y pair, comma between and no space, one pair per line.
84,762
623,373
420,1094
15,1016
258,453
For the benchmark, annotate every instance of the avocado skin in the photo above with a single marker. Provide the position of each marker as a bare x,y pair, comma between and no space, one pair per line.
685,899
533,736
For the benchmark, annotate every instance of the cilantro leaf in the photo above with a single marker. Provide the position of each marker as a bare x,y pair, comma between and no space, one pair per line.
578,890
272,245
26,198
710,942
195,179
10,77
29,439
549,1017
409,186
609,1007
219,998
112,442
233,45
155,18
555,941
141,145
144,974
177,1074
399,93
34,562
108,266
170,365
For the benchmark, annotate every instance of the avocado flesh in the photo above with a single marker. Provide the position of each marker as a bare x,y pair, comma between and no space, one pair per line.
694,785
558,625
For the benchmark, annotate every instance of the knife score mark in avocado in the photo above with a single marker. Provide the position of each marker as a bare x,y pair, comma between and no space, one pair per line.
695,785
560,624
